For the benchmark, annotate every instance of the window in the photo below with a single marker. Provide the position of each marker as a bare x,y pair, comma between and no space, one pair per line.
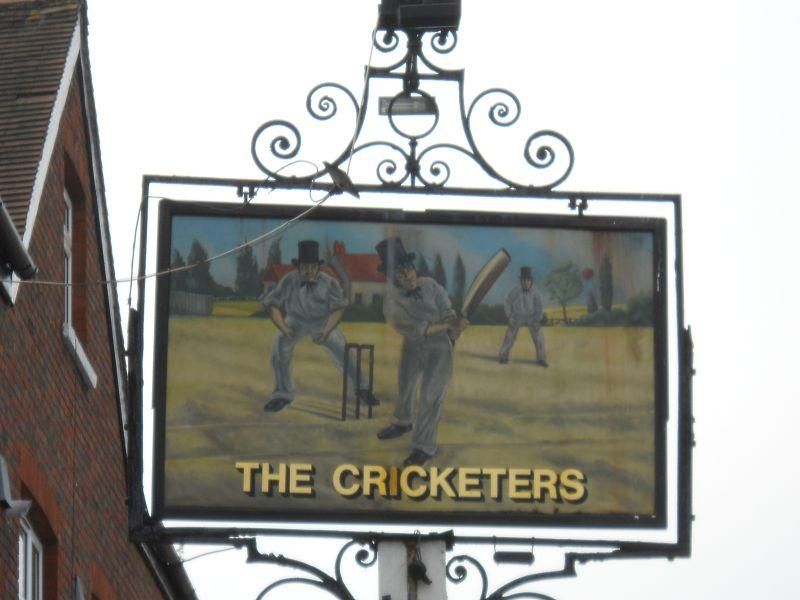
359,299
31,563
75,322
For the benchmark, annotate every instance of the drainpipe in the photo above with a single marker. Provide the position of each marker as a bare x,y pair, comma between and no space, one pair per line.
13,255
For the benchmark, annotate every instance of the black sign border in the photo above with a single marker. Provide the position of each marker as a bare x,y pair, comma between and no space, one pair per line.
657,226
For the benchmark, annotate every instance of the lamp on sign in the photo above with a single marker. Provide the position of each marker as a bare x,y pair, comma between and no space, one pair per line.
411,15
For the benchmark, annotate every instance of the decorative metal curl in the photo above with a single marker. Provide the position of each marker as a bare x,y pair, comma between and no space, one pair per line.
438,168
505,112
387,167
320,105
280,145
500,113
445,41
545,156
458,573
326,107
336,586
385,41
546,151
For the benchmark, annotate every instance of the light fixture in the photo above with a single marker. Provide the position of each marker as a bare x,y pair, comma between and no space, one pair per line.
412,15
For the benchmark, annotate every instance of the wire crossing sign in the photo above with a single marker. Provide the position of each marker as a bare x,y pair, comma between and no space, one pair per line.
515,368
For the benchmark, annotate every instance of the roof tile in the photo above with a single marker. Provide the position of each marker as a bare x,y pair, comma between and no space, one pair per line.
34,41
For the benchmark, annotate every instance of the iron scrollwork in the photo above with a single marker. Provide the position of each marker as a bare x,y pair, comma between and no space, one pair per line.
457,572
409,162
335,585
459,567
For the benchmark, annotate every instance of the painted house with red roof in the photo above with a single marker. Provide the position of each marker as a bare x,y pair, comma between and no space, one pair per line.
358,274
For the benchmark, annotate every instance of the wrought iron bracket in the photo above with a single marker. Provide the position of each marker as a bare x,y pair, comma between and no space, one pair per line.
581,204
412,159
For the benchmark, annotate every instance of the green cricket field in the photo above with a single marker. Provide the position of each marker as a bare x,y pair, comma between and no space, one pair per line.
592,410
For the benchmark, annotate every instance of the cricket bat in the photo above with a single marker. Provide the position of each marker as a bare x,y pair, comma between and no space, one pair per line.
484,280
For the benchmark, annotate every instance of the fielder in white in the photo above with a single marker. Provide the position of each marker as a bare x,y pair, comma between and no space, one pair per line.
524,308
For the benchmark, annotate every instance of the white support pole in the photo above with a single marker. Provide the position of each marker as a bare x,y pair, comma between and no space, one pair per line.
392,571
433,556
393,580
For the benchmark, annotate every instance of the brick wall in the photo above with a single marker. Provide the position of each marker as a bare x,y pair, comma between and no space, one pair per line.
61,439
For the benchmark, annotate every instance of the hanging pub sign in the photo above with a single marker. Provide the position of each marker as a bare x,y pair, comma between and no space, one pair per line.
371,365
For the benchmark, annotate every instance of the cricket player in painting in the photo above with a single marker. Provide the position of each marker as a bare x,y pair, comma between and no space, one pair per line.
305,302
524,308
420,310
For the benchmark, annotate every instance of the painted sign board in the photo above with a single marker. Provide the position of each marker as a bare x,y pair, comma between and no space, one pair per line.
372,365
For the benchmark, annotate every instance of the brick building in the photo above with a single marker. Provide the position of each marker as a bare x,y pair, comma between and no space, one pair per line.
63,402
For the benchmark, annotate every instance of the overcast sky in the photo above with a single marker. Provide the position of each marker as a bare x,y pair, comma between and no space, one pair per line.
696,98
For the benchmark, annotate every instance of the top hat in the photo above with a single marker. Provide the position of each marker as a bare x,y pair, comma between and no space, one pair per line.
526,273
393,255
307,252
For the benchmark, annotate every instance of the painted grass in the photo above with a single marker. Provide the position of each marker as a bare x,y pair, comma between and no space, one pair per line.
591,410
574,311
235,308
247,308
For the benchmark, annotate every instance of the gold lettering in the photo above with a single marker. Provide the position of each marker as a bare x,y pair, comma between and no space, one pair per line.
268,478
405,477
394,483
544,480
572,488
469,479
299,475
495,474
248,469
519,484
440,481
338,481
374,477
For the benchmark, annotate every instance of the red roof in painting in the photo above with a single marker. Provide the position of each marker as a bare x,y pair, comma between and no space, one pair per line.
276,272
359,267
363,267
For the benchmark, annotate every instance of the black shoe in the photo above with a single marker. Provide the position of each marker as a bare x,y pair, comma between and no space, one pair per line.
393,431
417,457
542,363
503,360
368,398
276,404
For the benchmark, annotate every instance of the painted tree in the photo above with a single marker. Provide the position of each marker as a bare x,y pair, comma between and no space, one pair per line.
423,270
606,284
198,277
591,298
439,273
274,256
563,284
178,278
248,280
459,282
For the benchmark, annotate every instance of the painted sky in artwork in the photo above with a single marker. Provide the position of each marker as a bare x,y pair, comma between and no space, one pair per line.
540,248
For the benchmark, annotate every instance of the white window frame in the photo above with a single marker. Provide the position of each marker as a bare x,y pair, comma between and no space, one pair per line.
74,345
31,563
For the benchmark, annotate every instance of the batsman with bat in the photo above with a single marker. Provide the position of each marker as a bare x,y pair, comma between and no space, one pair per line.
420,310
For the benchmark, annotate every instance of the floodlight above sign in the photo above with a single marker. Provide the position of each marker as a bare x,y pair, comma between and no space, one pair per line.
418,14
